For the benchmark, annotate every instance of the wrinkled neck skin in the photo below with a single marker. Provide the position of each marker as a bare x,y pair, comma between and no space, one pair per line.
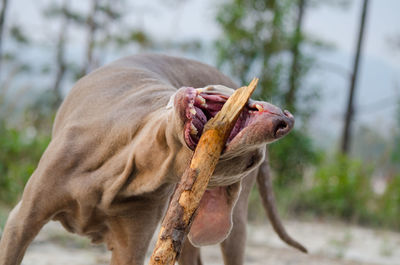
232,167
160,157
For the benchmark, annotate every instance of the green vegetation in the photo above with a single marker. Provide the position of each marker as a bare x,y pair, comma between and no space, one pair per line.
256,44
388,205
290,163
342,188
18,159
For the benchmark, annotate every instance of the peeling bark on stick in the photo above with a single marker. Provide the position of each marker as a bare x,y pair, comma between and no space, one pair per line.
190,190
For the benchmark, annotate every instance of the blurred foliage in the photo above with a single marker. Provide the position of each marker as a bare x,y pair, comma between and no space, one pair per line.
263,39
367,139
346,188
19,156
291,157
255,34
388,205
341,187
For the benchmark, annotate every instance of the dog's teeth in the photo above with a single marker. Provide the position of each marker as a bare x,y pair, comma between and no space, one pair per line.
202,100
193,111
193,129
259,107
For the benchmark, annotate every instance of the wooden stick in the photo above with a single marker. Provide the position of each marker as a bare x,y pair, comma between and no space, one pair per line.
190,190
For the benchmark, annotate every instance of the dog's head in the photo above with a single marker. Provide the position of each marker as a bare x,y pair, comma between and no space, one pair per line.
260,123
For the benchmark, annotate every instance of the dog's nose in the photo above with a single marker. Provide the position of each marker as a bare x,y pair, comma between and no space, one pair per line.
283,124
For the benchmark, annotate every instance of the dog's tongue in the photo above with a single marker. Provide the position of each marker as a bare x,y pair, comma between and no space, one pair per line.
212,223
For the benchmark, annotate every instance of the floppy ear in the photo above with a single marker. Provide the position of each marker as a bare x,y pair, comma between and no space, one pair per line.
213,221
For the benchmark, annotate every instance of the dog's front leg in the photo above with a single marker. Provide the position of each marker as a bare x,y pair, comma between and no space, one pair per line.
23,224
190,254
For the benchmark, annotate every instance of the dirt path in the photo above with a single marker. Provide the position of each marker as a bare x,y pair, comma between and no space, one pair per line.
329,244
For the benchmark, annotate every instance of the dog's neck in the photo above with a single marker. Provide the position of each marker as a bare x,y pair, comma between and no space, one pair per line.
159,155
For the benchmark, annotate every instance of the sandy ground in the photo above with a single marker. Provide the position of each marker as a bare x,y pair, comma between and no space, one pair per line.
327,243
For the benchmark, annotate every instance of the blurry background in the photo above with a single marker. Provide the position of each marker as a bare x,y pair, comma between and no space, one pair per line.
303,51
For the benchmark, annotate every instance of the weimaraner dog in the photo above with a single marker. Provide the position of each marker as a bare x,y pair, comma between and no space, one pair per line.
120,143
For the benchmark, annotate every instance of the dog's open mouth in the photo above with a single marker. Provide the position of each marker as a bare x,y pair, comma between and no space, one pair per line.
266,121
204,105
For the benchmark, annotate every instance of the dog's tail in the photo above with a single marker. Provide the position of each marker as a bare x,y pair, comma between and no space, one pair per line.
268,200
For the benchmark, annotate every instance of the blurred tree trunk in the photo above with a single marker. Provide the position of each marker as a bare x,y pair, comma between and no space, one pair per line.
346,135
295,69
91,38
3,13
60,53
